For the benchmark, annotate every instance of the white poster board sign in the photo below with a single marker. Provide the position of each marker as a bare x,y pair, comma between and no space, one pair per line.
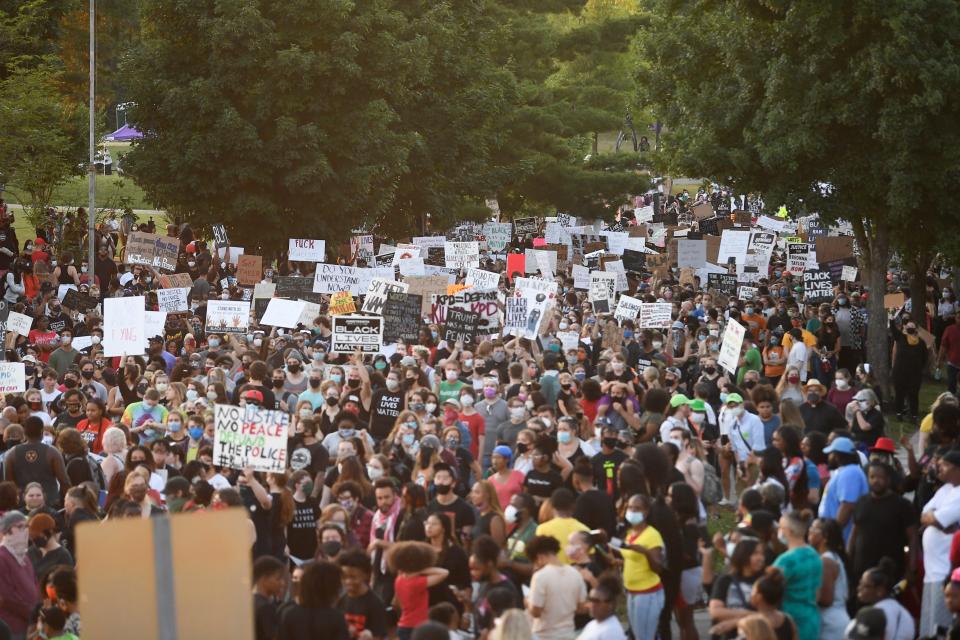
283,313
303,250
730,346
123,326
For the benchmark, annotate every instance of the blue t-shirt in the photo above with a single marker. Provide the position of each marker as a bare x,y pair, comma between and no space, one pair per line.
813,475
847,484
769,426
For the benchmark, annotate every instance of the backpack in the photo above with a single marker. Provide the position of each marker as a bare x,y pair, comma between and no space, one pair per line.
712,489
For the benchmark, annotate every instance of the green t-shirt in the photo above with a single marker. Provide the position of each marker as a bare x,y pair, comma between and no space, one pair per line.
450,390
754,362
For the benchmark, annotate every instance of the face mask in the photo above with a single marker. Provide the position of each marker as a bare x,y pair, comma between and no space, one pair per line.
305,413
563,437
657,345
864,405
392,384
517,413
580,376
443,489
617,367
195,433
842,384
510,514
331,548
174,427
379,365
477,385
467,401
499,356
489,392
353,384
47,439
294,368
161,386
529,405
315,382
634,517
813,397
451,376
430,407
730,546
336,377
522,448
211,395
737,411
213,343
408,439
347,433
610,443
192,394
375,473
723,397
710,370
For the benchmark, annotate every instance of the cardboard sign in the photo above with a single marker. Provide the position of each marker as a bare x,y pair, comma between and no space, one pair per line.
733,244
376,295
220,239
730,346
497,235
282,313
79,301
361,249
249,270
172,599
482,280
702,211
173,300
12,377
691,253
341,303
123,326
817,286
331,278
176,281
304,250
833,248
461,326
425,288
461,255
655,315
227,316
250,437
351,333
19,323
747,293
152,250
894,300
401,317
484,303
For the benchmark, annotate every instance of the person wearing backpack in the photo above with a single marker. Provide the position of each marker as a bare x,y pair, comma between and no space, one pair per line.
80,467
699,474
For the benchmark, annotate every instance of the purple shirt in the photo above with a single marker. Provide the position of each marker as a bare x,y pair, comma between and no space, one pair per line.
18,591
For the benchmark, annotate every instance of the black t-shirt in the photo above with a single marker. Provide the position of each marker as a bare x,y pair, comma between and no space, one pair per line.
302,623
460,513
595,509
265,618
261,520
385,406
60,322
881,531
302,531
312,458
364,613
823,417
875,419
541,484
454,560
605,471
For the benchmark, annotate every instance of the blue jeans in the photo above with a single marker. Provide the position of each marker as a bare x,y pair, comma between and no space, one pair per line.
643,612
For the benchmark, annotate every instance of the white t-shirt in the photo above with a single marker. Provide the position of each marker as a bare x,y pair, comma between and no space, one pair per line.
609,629
558,589
900,625
798,358
48,398
945,505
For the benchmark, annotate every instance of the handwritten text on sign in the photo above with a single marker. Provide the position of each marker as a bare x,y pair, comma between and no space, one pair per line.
307,250
250,437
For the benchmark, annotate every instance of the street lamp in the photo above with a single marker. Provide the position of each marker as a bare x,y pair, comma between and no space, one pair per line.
91,168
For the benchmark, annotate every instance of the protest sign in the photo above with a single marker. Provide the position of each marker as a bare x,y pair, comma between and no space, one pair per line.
655,315
702,211
733,244
616,241
264,290
19,323
747,293
401,317
602,291
709,227
581,277
482,280
412,267
634,261
425,287
361,249
283,313
534,287
173,300
79,301
376,295
848,273
566,220
722,282
341,303
691,253
331,278
730,346
777,226
569,340
497,235
643,214
153,325
524,316
525,227
461,255
152,250
250,437
797,256
532,259
228,316
627,308
817,286
484,303
305,250
351,333
310,312
249,269
297,287
12,377
220,238
833,248
516,265
460,326
408,252
894,300
123,326
175,281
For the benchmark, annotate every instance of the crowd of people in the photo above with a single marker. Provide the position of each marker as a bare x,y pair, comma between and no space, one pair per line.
509,488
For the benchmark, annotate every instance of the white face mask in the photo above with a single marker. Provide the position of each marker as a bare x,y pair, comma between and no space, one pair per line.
47,439
510,514
842,384
864,405
466,401
375,473
392,384
431,407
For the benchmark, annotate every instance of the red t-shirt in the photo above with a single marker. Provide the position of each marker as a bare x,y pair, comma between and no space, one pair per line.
589,408
92,434
411,592
477,426
950,343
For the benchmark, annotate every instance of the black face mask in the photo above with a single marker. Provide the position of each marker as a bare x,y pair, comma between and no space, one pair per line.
710,370
331,400
610,443
353,384
293,368
331,548
521,448
443,489
87,375
70,383
278,384
41,541
314,382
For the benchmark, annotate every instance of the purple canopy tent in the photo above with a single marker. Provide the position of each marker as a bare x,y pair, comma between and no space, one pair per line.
125,133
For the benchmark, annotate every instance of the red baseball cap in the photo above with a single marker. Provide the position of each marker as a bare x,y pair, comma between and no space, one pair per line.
253,394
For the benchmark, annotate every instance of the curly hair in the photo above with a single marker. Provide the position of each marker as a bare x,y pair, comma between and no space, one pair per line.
411,557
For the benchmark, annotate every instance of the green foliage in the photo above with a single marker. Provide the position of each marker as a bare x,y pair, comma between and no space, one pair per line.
41,136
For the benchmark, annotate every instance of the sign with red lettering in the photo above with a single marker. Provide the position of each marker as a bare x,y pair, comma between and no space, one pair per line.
250,437
307,250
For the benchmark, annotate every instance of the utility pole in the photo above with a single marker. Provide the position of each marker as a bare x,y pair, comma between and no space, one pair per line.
91,168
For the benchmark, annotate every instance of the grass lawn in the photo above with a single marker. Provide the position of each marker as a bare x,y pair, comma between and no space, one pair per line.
112,191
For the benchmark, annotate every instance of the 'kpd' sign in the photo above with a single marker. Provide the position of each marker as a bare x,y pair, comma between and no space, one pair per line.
357,332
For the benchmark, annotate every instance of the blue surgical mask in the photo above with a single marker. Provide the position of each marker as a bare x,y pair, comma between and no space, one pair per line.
580,376
174,427
634,517
347,433
628,334
195,432
723,398
555,347
563,437
408,439
336,377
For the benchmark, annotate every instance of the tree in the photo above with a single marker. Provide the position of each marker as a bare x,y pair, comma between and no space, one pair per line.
41,135
841,105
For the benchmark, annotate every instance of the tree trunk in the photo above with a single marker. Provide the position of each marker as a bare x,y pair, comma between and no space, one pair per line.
873,238
596,143
919,265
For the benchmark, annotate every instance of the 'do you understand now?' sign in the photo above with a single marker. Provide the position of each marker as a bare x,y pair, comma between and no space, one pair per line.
250,437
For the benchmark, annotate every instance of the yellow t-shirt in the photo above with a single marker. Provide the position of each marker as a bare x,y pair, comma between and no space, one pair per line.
926,425
808,339
560,529
637,575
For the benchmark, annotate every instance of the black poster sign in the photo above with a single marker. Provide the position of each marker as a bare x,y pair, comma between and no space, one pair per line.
401,317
